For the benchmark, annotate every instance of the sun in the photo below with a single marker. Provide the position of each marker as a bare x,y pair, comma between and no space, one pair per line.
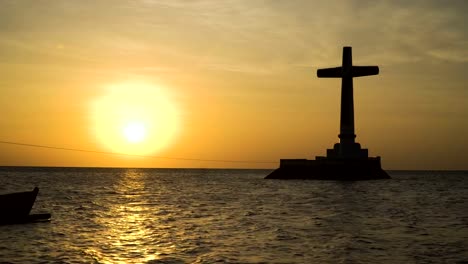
134,132
134,118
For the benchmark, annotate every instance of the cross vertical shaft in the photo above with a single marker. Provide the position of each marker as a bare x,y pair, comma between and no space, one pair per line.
347,135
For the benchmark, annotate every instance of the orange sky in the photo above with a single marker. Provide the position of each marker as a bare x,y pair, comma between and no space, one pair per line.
230,80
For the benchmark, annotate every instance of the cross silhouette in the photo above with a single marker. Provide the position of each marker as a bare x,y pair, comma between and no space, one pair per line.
347,72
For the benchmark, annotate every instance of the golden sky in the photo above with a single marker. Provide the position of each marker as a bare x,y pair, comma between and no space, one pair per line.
230,80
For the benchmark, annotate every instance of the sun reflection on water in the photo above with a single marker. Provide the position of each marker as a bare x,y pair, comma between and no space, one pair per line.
130,228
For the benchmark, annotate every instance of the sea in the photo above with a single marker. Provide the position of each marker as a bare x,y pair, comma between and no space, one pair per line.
118,215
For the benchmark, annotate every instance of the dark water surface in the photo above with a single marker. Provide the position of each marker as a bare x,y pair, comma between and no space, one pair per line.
235,216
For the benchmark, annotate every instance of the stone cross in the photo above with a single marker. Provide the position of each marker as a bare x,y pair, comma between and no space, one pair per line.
347,72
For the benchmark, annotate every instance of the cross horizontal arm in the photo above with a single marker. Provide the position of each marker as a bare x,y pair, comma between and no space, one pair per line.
330,72
359,71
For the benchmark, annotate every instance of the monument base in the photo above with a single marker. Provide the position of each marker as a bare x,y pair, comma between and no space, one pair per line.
325,168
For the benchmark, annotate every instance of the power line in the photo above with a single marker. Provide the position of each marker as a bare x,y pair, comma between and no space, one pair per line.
123,154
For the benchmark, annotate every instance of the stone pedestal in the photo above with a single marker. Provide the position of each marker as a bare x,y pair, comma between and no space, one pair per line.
324,168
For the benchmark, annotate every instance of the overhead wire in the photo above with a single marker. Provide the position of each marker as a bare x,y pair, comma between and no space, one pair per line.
125,154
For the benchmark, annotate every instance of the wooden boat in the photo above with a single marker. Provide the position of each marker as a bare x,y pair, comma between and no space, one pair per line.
15,207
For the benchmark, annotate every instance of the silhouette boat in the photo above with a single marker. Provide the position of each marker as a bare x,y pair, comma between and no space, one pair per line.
15,208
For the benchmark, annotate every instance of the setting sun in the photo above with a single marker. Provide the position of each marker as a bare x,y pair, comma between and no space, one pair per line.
134,118
134,132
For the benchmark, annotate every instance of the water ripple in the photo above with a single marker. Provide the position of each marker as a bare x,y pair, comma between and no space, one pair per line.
234,216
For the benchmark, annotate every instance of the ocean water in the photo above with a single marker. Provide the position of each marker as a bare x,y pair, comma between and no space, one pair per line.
235,216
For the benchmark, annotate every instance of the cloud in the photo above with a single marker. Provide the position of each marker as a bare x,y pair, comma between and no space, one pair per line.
238,35
272,33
